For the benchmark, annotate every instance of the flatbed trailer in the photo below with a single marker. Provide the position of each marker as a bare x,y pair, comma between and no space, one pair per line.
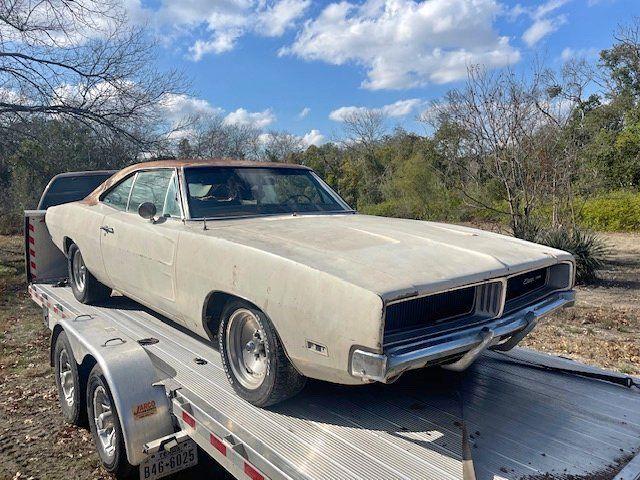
514,415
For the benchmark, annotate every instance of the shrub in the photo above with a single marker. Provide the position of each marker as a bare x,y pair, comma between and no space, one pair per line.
10,223
589,250
615,211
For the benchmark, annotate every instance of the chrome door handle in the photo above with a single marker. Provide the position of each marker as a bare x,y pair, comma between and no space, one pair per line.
106,229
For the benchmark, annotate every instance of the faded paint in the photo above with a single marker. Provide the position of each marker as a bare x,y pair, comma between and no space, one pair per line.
319,277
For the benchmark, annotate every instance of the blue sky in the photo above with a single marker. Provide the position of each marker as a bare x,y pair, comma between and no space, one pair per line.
266,61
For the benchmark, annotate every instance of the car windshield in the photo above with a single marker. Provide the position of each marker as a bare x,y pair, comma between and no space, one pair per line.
244,191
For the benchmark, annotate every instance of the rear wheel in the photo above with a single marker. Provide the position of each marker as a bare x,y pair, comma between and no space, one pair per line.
86,288
253,357
70,386
105,426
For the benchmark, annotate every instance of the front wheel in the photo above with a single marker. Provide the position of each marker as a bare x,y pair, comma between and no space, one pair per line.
253,357
86,288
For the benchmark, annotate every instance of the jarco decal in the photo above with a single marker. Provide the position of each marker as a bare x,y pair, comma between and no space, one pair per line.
144,410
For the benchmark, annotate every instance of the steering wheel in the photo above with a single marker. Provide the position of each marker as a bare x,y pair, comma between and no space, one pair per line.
299,195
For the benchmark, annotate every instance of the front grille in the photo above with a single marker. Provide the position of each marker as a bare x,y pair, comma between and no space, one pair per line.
430,310
526,283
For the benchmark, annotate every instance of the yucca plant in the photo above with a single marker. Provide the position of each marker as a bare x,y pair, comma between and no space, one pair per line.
588,248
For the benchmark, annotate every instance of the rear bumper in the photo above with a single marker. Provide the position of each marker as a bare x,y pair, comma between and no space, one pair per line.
500,334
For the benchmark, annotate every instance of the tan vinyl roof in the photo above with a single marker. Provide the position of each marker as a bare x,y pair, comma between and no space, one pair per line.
94,196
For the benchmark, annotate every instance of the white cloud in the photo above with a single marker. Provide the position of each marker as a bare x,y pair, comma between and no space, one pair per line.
179,107
541,28
214,27
339,114
304,112
569,53
544,23
400,108
406,43
257,119
220,43
275,19
314,137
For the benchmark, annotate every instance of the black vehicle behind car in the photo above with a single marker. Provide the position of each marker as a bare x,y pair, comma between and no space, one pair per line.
71,186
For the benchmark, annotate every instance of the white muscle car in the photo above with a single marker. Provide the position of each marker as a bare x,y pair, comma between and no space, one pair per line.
271,263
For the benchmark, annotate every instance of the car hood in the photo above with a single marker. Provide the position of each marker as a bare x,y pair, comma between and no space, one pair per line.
391,257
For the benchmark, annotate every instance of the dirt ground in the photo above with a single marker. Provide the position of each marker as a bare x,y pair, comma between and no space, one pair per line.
603,330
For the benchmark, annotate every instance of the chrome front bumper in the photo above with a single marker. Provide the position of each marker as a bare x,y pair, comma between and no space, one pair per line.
500,334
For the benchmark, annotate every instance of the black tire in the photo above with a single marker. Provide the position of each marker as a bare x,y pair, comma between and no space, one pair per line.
72,401
281,380
89,291
116,463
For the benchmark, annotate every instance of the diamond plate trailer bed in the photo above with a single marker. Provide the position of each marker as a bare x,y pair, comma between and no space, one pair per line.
521,415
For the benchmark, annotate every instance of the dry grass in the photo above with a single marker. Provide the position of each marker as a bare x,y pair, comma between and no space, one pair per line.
603,329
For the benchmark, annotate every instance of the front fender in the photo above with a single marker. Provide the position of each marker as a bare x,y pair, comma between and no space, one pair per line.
307,307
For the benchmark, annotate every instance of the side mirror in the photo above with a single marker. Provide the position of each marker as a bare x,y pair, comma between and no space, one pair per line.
147,210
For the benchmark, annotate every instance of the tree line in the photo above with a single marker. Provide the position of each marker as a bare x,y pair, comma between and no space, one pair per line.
539,152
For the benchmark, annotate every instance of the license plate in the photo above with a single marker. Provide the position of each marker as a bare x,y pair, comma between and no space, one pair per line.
163,463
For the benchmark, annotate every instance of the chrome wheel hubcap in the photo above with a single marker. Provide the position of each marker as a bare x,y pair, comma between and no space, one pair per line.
247,348
79,271
104,422
66,378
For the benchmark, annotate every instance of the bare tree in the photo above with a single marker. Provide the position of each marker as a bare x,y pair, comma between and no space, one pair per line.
78,59
281,147
563,108
509,132
364,127
215,138
364,130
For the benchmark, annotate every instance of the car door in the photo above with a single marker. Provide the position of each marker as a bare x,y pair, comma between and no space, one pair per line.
139,254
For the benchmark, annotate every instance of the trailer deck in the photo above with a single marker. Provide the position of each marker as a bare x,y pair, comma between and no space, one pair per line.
504,418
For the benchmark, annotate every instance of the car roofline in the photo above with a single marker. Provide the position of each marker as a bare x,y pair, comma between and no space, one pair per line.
94,197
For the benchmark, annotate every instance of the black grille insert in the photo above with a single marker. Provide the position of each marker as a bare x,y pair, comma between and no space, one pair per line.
430,310
526,283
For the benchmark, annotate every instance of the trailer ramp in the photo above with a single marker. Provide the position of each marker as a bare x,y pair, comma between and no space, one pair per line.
501,419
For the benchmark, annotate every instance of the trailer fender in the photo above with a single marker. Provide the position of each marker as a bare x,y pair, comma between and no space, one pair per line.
143,407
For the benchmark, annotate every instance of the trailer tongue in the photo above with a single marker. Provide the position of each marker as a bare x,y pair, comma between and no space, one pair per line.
525,415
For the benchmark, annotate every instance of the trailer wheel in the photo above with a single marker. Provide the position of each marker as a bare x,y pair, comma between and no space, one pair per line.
253,357
70,386
105,426
86,288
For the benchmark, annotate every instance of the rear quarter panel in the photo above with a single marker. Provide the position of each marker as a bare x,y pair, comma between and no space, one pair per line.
81,224
303,304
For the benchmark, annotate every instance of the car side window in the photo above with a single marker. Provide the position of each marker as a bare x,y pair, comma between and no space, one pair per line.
150,186
172,201
118,197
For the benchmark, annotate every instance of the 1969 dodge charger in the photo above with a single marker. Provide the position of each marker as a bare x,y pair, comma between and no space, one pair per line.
269,262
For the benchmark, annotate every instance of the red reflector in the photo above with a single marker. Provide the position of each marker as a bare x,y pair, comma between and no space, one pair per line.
252,473
32,241
32,252
189,420
33,265
217,443
31,227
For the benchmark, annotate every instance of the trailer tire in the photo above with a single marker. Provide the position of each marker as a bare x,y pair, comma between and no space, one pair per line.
71,389
86,288
277,378
105,426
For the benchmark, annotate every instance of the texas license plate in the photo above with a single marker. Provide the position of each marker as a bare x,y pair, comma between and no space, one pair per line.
163,463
